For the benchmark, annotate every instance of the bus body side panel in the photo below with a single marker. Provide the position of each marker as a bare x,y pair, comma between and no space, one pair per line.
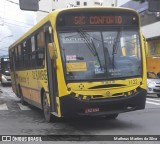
30,84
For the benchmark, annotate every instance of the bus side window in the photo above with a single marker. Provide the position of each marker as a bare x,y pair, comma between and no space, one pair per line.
40,48
11,61
29,52
25,54
33,52
16,58
20,56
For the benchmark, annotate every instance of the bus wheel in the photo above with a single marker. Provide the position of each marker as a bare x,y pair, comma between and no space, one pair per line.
21,97
111,116
46,109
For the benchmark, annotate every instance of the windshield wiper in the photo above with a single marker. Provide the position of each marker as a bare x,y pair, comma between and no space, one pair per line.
115,47
91,46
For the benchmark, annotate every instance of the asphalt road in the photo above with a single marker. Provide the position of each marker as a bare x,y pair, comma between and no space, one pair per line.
16,119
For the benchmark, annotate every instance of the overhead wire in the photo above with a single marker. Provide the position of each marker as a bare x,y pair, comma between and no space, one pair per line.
4,42
17,21
3,49
17,25
12,2
3,19
3,16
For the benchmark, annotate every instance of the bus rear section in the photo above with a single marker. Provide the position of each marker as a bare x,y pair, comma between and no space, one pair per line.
5,72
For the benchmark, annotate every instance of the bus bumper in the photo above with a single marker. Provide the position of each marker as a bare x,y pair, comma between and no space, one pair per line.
71,106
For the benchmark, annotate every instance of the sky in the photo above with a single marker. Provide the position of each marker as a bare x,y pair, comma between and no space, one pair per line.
15,22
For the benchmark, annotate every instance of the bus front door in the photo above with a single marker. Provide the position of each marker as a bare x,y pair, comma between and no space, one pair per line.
52,77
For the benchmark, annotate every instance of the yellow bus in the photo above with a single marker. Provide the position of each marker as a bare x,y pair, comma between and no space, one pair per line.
86,61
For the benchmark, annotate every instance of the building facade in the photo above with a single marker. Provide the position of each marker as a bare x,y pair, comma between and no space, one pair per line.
76,3
150,24
47,6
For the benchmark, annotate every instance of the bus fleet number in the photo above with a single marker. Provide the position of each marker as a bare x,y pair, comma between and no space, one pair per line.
133,82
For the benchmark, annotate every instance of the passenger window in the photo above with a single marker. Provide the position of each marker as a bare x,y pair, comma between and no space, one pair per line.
20,57
33,49
16,58
25,54
40,49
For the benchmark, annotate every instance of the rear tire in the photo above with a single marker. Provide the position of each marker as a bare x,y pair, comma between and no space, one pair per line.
21,97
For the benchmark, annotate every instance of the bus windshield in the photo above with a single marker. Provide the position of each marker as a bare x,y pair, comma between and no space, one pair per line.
108,54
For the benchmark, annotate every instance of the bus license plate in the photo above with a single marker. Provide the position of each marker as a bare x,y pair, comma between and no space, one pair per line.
91,110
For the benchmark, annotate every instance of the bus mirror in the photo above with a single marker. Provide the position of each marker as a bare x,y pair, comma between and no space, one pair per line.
30,5
52,51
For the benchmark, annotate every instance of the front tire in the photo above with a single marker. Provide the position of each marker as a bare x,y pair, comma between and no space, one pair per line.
46,109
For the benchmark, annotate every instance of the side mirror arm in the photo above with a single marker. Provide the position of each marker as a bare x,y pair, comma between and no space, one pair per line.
52,51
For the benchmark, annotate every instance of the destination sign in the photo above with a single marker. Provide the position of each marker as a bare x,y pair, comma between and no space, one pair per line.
99,18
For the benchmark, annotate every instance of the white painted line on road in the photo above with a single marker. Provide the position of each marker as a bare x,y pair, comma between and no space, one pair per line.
22,107
152,103
153,99
3,107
